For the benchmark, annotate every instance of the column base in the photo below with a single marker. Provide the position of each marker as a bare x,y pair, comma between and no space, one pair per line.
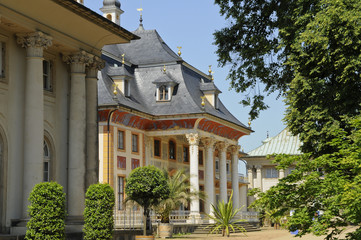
194,218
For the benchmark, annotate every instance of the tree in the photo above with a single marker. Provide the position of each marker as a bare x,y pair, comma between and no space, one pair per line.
257,44
317,45
47,212
147,186
225,218
98,213
179,193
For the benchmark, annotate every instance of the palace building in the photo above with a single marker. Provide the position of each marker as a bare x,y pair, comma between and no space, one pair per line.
157,109
49,59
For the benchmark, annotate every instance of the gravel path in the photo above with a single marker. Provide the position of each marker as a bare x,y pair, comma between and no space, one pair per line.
264,234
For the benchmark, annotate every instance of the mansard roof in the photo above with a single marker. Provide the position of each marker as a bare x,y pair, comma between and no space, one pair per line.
145,59
283,143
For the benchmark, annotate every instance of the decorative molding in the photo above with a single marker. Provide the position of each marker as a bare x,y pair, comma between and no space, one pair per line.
78,61
222,146
234,149
94,66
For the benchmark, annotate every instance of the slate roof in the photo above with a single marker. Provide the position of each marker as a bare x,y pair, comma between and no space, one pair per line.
145,60
283,143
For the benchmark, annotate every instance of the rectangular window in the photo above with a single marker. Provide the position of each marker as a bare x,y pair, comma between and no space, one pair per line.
135,163
121,140
120,192
157,148
121,162
200,157
228,169
47,76
46,172
2,59
271,173
134,143
217,165
185,154
201,174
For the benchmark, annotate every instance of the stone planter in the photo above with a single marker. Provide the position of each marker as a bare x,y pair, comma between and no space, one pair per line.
141,237
165,230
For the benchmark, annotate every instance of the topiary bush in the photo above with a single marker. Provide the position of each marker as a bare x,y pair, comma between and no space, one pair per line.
47,212
98,213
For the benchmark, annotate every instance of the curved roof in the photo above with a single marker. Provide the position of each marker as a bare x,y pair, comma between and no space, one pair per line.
283,143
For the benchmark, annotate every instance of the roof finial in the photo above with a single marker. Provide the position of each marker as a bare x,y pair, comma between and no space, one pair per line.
203,103
210,69
141,17
179,51
123,61
249,122
267,134
164,69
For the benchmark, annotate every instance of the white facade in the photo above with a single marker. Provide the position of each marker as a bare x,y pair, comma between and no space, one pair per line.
47,69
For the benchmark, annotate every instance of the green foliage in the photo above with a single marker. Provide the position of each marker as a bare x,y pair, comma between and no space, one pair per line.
47,212
225,218
179,193
335,190
98,213
147,186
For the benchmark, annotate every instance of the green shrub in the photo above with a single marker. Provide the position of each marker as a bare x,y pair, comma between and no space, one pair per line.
98,214
47,212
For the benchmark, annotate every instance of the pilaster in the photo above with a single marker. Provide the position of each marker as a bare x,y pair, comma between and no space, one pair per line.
259,176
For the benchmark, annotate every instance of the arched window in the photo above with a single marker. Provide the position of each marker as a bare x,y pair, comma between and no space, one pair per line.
172,147
46,160
163,93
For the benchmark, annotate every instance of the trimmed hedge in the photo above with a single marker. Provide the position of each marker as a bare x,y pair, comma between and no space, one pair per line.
98,213
47,212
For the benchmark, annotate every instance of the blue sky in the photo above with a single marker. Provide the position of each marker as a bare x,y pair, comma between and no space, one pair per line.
190,24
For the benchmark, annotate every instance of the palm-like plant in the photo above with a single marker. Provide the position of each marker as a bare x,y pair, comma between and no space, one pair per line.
225,218
179,194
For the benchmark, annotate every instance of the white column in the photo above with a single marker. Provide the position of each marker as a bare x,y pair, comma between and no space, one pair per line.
281,174
250,175
209,174
34,111
222,147
91,121
259,177
193,140
77,134
235,176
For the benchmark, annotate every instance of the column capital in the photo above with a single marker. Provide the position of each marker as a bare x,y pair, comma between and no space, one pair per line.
249,167
78,61
234,149
208,142
193,138
34,42
258,167
222,146
94,66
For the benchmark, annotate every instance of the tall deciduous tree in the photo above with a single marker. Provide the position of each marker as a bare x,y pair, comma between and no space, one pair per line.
316,50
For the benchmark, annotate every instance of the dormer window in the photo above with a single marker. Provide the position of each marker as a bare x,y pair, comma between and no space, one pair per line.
163,93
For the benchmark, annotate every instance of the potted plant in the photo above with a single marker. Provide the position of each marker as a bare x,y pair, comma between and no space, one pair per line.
179,193
147,186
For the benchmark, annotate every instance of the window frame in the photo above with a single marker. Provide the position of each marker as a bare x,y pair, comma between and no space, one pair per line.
46,162
121,162
172,156
48,75
270,172
160,148
135,163
185,156
120,192
123,140
137,143
200,157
